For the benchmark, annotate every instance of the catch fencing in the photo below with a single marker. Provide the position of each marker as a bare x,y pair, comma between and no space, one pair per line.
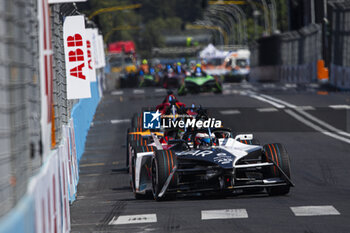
20,107
36,187
287,57
339,43
19,101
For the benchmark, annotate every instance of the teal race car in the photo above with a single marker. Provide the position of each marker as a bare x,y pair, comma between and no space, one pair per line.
196,84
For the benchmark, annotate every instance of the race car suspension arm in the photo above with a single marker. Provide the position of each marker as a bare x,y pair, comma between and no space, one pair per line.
283,173
167,182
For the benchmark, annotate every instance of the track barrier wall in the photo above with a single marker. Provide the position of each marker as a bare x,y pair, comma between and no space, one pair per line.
82,114
339,44
292,56
39,172
45,206
289,57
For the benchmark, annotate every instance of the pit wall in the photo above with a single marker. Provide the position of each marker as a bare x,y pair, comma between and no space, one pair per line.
340,77
298,74
45,206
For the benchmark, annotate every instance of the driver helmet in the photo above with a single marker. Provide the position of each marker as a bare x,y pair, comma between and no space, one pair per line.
172,98
202,139
144,62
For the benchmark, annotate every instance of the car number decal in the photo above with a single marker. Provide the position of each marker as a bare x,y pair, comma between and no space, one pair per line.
201,153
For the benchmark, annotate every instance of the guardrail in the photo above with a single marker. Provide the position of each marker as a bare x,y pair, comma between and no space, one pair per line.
287,57
339,44
38,171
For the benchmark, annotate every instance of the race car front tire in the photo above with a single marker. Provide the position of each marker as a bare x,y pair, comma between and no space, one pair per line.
163,163
277,153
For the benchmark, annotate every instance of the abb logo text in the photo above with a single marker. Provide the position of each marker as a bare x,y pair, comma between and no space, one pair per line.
88,45
76,54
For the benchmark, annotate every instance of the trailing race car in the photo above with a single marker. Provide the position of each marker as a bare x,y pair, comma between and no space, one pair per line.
148,79
207,160
172,79
200,83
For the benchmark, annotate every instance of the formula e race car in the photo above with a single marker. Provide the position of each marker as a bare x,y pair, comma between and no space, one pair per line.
204,83
206,160
172,79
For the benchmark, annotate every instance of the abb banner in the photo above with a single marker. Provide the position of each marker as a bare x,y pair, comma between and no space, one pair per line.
91,53
101,50
76,57
94,32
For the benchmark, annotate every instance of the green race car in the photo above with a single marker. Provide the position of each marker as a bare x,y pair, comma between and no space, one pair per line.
197,84
147,80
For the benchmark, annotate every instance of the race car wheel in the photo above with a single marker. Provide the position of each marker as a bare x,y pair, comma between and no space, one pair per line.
162,164
218,88
135,120
127,148
181,91
277,153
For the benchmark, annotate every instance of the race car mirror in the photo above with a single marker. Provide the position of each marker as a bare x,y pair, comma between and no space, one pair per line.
244,137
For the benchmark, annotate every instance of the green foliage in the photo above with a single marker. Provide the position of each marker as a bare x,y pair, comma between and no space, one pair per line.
157,16
153,17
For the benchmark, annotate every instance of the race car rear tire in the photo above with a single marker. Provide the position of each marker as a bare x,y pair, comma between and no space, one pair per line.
218,88
277,153
135,121
127,148
162,164
181,91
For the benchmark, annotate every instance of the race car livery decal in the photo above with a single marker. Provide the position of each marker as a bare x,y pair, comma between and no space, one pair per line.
223,158
218,156
201,153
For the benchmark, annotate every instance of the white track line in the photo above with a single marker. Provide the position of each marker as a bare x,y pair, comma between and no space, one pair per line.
290,85
138,91
267,109
159,90
226,92
224,214
314,210
305,114
246,86
315,127
314,85
270,98
305,108
269,85
230,112
117,121
324,124
267,101
132,219
117,92
339,107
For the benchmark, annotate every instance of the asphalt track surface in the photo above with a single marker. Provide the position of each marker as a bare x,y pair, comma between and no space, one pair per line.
312,124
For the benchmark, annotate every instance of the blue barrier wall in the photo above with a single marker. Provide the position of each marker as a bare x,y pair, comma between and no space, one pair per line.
20,218
83,113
